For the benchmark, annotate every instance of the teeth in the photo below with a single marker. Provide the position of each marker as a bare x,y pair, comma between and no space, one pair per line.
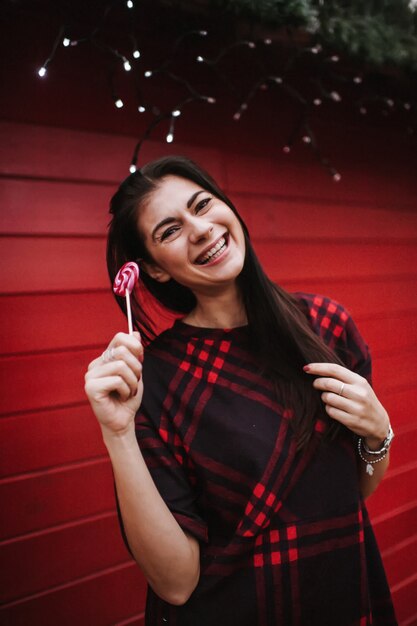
213,251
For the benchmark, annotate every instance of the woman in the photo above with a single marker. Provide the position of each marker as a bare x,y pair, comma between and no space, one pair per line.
244,443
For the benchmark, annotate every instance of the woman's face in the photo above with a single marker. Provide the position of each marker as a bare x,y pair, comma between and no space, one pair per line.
192,236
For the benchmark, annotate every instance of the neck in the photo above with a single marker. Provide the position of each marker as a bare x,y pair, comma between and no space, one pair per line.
225,310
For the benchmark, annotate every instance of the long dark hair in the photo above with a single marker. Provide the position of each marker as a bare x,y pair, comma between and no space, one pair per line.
279,332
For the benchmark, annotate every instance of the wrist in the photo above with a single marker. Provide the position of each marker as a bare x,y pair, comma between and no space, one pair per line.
123,437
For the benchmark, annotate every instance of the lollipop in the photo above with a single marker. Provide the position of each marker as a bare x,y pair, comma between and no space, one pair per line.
123,285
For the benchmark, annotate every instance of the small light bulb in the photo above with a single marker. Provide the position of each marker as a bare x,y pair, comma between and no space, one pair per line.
390,102
335,96
132,168
336,177
170,138
66,42
251,44
407,106
357,80
118,103
200,59
42,72
267,42
334,58
264,87
307,139
129,4
136,54
141,108
176,113
315,49
286,149
236,116
278,80
127,65
211,100
148,74
203,33
363,110
317,102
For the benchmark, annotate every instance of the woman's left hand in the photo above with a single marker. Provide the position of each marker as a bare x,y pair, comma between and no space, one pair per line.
350,399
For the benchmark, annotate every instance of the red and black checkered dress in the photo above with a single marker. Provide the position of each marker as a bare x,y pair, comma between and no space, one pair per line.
285,537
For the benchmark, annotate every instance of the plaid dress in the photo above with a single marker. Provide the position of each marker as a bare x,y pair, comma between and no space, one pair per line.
285,537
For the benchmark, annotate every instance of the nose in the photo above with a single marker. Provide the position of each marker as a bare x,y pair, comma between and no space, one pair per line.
199,229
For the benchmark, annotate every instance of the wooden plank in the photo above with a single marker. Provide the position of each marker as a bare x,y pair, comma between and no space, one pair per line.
288,178
95,317
41,501
100,599
397,488
266,216
44,380
400,561
47,439
300,259
78,550
38,206
79,263
35,322
43,151
404,595
44,264
394,525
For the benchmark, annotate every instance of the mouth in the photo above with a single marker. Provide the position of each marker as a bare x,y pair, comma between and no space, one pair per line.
214,252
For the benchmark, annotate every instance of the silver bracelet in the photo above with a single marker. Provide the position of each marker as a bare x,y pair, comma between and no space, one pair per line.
369,469
385,444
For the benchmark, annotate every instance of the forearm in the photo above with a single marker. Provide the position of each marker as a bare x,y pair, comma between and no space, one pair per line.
367,482
168,557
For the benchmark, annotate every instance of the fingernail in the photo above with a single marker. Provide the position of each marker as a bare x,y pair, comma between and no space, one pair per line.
306,368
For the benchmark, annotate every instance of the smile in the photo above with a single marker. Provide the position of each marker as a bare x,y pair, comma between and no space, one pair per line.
213,253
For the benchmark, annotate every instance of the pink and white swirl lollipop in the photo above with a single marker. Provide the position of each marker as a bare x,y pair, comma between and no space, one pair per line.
124,283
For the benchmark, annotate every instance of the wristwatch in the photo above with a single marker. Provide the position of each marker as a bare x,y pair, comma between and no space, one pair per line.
385,444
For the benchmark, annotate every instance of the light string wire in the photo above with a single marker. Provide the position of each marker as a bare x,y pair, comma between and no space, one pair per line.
302,127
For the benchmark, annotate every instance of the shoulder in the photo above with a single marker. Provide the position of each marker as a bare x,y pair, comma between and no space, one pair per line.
334,324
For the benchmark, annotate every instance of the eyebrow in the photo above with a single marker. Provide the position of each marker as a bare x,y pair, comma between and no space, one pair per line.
169,220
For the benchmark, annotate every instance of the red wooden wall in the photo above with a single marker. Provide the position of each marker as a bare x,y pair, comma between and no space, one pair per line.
63,559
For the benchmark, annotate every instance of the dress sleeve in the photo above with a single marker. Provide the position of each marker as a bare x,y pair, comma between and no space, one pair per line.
172,472
335,325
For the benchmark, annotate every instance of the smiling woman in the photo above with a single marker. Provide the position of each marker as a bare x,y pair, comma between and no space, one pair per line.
241,444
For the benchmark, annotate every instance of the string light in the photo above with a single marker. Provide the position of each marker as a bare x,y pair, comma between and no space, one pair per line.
119,103
66,42
127,65
141,108
136,54
132,168
42,71
148,73
129,4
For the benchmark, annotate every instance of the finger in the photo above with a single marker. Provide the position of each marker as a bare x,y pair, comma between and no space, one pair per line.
115,368
333,385
333,370
96,389
122,353
339,402
131,342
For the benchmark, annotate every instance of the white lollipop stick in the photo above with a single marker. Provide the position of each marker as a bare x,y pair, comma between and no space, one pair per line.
129,313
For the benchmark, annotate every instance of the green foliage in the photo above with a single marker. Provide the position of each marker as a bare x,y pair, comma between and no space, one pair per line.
376,32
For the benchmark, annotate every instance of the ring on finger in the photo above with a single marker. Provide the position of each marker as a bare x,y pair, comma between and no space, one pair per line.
108,355
341,389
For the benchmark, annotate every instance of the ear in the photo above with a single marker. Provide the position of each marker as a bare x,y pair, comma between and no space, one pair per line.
155,272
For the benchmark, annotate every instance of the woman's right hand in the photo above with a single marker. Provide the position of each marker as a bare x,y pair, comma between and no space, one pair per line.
113,383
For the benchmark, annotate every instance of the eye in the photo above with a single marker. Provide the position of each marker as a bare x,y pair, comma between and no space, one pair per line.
169,232
200,206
